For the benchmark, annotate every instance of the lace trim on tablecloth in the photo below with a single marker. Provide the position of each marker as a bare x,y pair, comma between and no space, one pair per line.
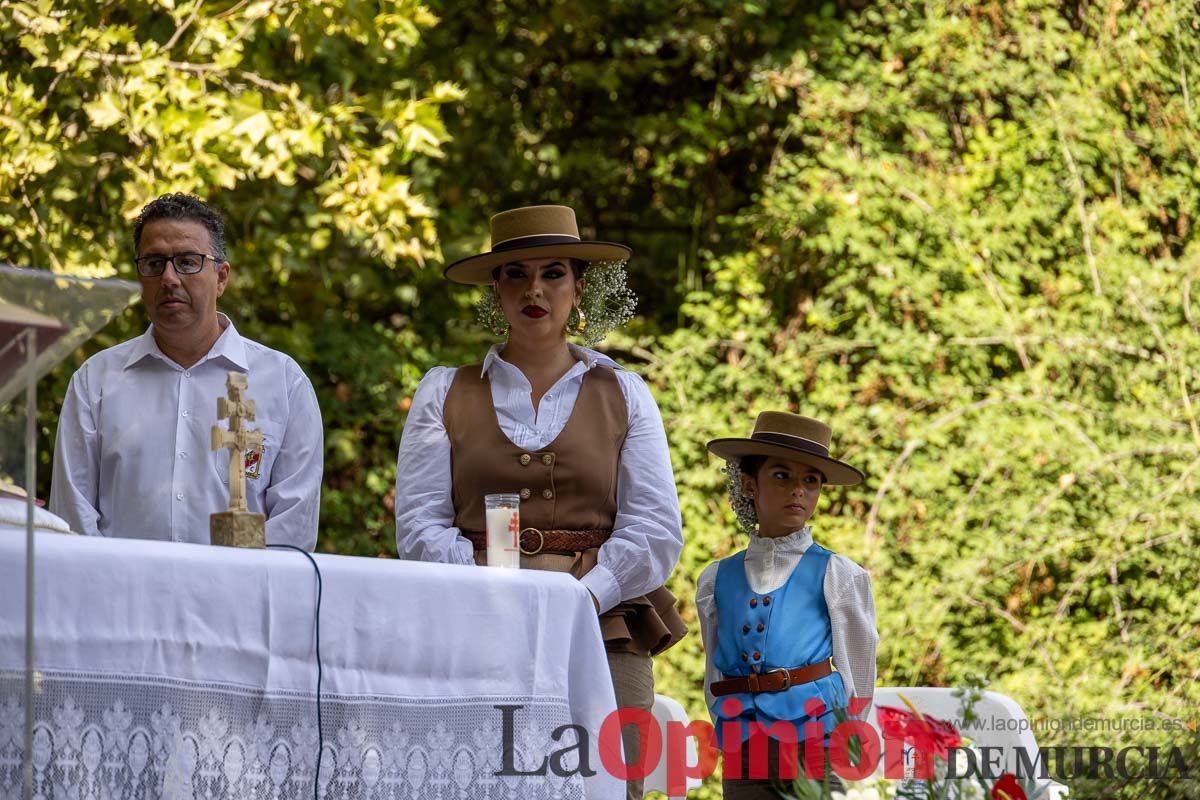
144,738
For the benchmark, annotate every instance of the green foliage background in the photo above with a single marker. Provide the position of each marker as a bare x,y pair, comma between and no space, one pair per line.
959,231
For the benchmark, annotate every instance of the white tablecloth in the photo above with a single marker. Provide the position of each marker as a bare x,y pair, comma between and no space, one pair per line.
179,671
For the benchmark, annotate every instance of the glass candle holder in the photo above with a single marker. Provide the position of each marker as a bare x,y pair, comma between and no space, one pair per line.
503,530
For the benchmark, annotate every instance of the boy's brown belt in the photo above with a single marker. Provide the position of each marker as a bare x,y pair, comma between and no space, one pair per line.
559,542
775,680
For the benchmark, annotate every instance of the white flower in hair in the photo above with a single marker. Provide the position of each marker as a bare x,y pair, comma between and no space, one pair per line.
739,501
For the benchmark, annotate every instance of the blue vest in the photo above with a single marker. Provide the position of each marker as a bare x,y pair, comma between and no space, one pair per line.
783,629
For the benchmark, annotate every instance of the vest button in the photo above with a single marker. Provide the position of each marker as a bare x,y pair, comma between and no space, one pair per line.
526,494
766,601
754,602
757,655
546,493
746,628
761,627
745,657
547,460
525,459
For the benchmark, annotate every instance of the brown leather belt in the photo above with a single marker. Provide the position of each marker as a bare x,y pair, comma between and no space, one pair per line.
559,542
775,680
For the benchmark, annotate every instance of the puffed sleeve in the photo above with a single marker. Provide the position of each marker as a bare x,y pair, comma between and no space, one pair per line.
851,602
706,610
424,505
647,532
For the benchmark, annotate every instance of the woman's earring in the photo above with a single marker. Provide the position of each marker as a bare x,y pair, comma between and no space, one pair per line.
576,323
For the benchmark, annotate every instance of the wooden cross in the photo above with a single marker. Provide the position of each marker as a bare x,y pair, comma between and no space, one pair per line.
236,409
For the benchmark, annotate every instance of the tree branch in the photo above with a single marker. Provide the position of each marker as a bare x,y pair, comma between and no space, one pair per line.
909,448
1180,370
1080,199
183,27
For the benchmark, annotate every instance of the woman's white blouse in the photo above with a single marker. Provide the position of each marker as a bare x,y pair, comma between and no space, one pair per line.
769,563
647,532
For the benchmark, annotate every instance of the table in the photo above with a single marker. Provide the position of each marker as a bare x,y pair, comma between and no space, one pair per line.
172,670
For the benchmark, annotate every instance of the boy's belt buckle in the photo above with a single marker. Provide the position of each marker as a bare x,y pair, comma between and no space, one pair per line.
787,678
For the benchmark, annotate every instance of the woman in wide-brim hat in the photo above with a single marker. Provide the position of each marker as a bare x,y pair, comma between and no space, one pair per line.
575,435
784,621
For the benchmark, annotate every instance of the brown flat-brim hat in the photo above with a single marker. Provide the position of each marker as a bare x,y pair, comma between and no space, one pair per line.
532,232
790,436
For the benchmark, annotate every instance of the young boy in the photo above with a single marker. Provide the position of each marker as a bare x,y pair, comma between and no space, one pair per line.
784,621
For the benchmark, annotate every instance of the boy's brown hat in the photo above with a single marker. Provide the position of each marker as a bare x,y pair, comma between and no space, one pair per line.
790,436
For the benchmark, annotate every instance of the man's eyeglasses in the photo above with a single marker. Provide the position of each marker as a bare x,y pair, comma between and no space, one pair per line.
184,263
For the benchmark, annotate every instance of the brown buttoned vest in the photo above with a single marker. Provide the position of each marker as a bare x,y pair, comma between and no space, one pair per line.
570,484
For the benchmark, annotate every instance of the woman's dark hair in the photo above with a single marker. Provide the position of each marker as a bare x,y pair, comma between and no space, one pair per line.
578,266
749,465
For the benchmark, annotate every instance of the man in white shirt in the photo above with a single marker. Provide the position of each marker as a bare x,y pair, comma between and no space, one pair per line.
133,455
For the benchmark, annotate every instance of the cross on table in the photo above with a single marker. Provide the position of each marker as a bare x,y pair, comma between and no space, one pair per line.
236,409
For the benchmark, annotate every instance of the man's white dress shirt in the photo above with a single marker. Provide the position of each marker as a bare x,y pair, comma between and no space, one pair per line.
134,456
769,563
647,532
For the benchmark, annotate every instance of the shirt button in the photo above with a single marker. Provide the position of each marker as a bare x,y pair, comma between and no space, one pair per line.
757,655
546,493
754,602
766,601
184,414
179,496
745,657
547,460
526,494
525,459
761,627
183,455
746,628
187,374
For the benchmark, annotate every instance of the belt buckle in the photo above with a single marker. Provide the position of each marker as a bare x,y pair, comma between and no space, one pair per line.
787,677
541,542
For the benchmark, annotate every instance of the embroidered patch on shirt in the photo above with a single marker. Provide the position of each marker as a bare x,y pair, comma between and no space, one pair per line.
253,462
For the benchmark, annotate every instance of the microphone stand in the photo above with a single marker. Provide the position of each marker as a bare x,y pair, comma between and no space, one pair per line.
30,493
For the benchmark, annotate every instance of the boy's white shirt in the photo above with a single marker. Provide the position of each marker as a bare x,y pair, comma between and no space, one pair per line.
769,563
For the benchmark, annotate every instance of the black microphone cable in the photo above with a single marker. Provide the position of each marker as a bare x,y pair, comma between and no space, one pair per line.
320,735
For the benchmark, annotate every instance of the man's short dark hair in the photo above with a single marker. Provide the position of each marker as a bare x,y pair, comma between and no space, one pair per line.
183,206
